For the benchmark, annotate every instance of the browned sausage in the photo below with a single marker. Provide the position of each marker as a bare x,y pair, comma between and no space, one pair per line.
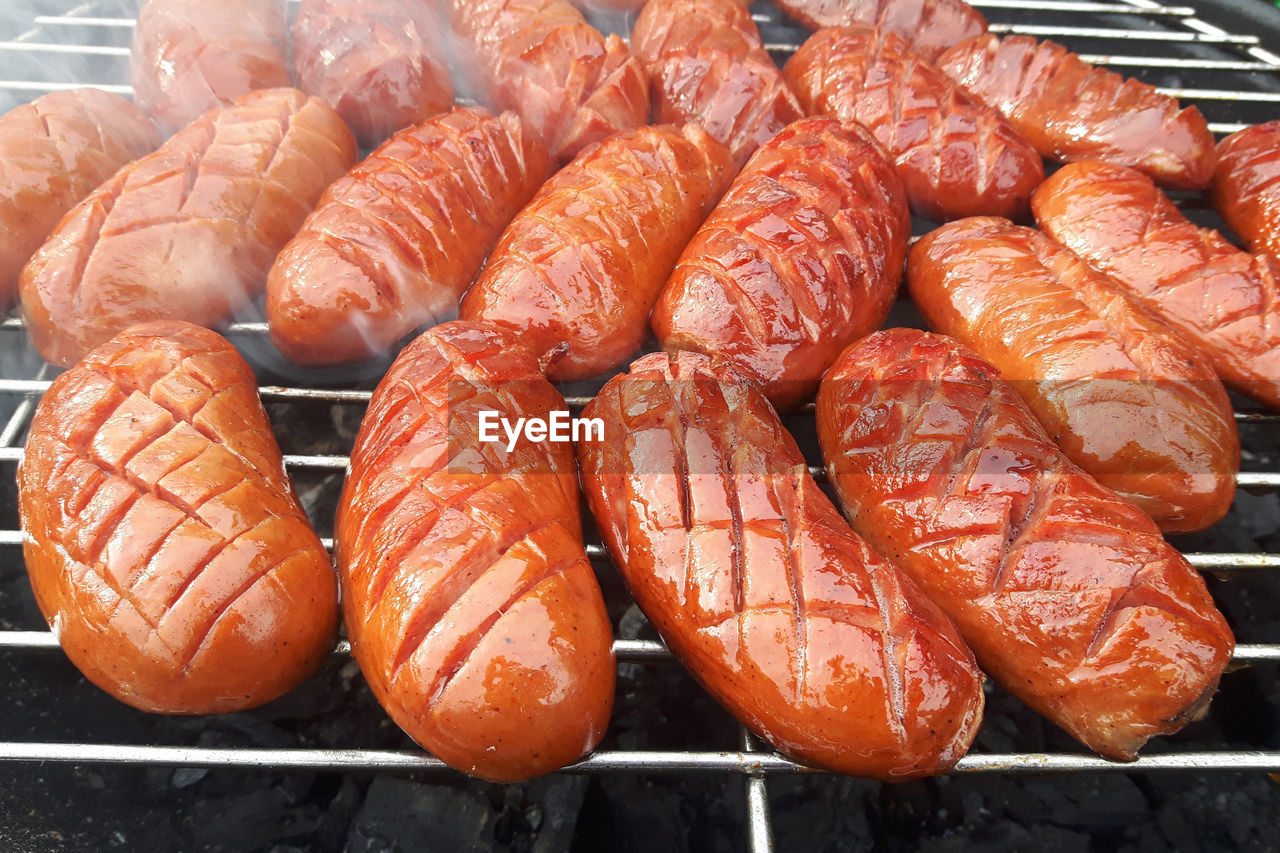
1067,593
53,152
163,539
801,258
1125,398
928,26
379,63
1223,300
956,156
579,269
189,56
706,63
395,243
570,84
781,612
466,590
1246,186
189,231
1071,111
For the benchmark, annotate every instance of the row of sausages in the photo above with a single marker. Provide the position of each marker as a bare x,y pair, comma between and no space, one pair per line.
179,571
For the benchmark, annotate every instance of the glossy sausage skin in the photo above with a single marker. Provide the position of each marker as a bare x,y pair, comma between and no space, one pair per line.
1246,186
781,612
1071,110
801,257
466,590
928,26
394,244
53,152
706,63
1067,593
379,63
579,269
190,56
163,539
1123,396
189,231
1224,301
570,84
956,156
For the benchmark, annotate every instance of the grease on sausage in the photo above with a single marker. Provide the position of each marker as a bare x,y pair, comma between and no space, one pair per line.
706,63
1071,110
395,243
928,26
189,231
957,157
1223,300
1124,397
1068,594
379,63
53,152
579,268
802,256
466,590
570,84
163,539
1246,186
190,56
781,612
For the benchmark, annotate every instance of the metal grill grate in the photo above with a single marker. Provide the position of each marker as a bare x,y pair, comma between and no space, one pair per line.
1232,77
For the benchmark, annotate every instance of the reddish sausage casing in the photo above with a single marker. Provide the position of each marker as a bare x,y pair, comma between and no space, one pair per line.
189,56
53,152
706,63
1223,300
1246,186
1123,396
801,257
163,539
748,572
570,84
1071,110
928,26
1067,593
395,243
580,267
379,63
466,590
956,156
189,231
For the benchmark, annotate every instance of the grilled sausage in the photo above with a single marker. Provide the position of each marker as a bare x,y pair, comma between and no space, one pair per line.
53,152
706,63
164,542
1067,593
580,267
1071,111
1223,300
781,612
570,84
379,63
395,243
1246,186
466,590
189,56
189,231
956,156
928,26
1126,399
801,257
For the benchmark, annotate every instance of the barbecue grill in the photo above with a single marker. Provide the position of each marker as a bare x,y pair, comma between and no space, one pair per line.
1211,57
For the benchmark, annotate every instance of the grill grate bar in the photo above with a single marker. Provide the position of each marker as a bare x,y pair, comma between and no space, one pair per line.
611,761
626,651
